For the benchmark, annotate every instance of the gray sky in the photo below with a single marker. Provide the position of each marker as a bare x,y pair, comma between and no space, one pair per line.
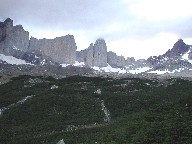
137,28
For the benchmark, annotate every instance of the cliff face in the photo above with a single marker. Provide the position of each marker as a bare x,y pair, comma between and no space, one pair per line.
115,61
88,58
14,40
60,49
100,53
178,49
94,55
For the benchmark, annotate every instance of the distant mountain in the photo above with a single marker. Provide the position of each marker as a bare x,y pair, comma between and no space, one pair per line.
175,60
61,52
14,41
178,50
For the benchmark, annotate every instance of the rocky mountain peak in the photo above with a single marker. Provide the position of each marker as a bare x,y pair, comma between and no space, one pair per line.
100,41
14,40
19,27
178,49
94,55
115,61
7,22
100,53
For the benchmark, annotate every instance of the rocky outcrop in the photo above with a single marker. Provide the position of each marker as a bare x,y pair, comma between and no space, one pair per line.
100,53
38,59
80,56
178,49
86,56
14,40
154,60
112,59
190,53
190,56
60,49
130,61
141,63
94,55
115,61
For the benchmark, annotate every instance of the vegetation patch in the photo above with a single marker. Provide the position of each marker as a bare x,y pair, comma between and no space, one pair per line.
141,110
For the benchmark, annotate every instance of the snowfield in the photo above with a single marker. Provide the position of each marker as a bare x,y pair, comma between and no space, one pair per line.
15,61
122,70
77,64
12,60
166,71
139,70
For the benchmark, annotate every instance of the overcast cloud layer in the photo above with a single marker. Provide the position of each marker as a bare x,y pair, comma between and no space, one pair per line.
138,28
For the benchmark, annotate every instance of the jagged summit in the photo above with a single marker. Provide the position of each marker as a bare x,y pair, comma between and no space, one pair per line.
94,55
178,49
14,41
7,21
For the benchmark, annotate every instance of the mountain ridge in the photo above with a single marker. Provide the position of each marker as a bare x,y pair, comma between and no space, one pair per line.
14,41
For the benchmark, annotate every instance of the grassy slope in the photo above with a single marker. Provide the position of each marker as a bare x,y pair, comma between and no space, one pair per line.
142,111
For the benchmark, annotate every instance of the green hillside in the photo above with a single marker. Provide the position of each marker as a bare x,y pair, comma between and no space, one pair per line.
37,110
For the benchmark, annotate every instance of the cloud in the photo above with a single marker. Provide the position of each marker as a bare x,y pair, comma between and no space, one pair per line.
118,22
75,14
110,18
158,10
142,49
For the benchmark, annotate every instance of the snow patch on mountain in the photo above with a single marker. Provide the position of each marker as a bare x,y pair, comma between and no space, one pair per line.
166,71
77,64
122,70
15,48
185,56
12,60
139,70
64,65
43,62
108,69
160,72
111,69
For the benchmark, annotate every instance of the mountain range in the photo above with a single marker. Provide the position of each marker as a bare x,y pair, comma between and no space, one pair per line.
50,93
62,51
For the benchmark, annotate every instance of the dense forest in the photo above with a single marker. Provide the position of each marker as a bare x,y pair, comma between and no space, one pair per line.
89,110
